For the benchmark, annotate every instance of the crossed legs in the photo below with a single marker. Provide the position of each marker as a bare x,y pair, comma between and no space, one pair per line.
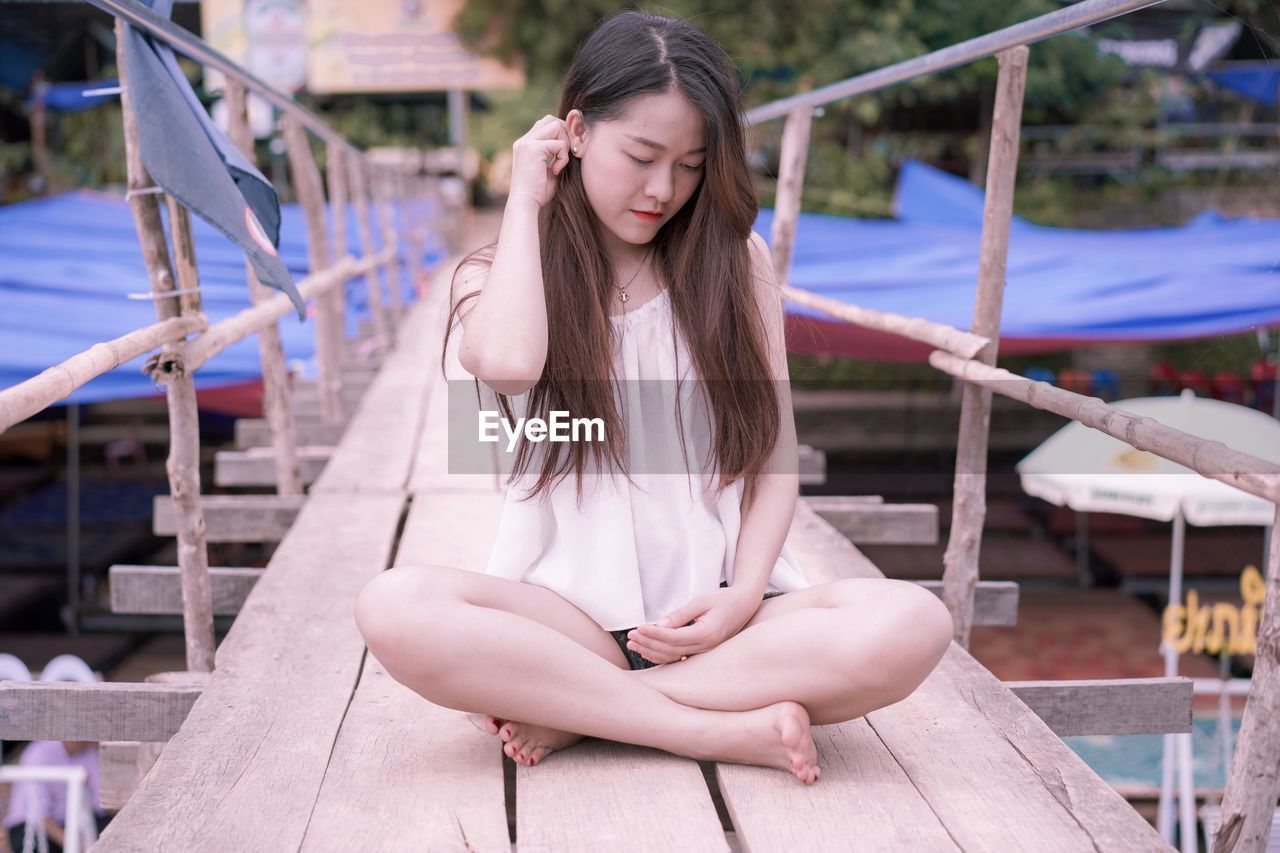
489,645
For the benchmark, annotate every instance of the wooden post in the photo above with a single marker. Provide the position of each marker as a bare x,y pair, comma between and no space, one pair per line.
275,380
381,187
185,247
360,196
786,204
1250,798
183,464
335,169
413,240
960,573
310,194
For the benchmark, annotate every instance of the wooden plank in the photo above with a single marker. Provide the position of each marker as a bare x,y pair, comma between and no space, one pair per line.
255,432
1115,706
443,780
244,771
770,812
994,603
158,589
961,724
65,710
407,774
813,466
863,794
883,524
257,465
235,518
378,450
603,795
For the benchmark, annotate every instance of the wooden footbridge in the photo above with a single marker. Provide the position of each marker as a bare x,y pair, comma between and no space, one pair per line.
290,735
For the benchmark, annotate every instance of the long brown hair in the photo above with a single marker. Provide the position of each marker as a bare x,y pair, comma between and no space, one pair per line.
701,254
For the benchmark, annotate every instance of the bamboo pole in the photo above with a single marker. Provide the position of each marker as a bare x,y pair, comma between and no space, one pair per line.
385,222
275,379
404,203
360,196
185,248
310,193
1250,797
786,204
225,333
183,463
969,507
944,337
336,175
21,401
1209,458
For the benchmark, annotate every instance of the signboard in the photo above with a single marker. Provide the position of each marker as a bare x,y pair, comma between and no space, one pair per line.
336,46
1221,628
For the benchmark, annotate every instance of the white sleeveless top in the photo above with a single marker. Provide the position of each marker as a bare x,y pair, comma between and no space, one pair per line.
633,553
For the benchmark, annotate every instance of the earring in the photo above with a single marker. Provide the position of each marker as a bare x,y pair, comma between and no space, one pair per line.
575,149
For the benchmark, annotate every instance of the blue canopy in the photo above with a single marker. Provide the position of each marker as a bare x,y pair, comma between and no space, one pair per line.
69,263
1064,287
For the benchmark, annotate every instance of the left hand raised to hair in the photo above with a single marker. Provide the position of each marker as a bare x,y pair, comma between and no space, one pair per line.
702,624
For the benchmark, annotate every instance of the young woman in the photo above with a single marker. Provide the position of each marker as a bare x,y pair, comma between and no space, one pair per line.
629,604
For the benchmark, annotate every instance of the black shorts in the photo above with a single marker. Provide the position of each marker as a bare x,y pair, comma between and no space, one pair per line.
634,658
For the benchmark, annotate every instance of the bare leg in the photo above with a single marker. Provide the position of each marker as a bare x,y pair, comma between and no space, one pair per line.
839,649
483,660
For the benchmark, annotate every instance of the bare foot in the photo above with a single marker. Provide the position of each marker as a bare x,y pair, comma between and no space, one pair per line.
526,743
774,736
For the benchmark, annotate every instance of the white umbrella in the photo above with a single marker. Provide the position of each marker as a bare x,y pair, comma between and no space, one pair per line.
1089,471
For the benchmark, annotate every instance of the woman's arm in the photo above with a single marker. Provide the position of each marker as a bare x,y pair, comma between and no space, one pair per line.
767,520
504,330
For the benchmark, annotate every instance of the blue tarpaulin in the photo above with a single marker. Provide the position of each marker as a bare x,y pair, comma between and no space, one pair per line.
68,264
1064,287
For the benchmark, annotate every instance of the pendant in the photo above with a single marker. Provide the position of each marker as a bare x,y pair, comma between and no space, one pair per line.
625,296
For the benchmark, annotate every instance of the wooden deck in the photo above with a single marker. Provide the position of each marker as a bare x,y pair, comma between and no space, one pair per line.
301,741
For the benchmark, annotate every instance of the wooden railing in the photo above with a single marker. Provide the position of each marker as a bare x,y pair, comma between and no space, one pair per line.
182,335
1250,798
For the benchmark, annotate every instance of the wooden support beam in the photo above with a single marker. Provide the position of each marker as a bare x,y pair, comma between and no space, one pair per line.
786,205
1212,459
879,524
66,710
1249,800
158,589
960,561
337,185
386,226
21,401
275,377
359,185
227,332
1117,706
813,466
235,518
255,432
183,463
310,193
995,603
257,466
124,763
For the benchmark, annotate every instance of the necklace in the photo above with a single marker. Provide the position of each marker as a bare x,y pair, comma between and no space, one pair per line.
624,296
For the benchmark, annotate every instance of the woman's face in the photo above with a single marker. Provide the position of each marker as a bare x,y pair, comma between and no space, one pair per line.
651,159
